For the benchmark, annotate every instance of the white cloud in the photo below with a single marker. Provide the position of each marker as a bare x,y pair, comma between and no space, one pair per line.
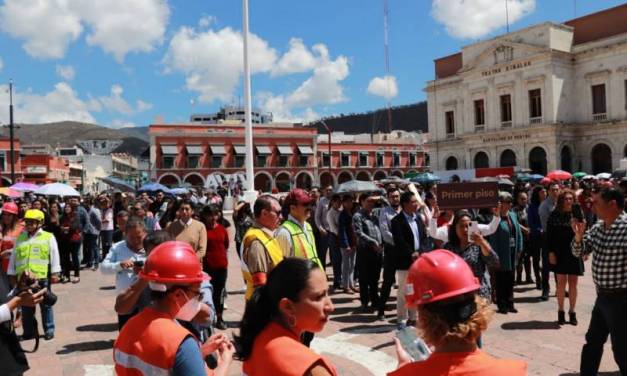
114,102
472,19
383,87
66,72
206,21
297,59
62,103
120,123
117,26
47,26
212,60
122,26
143,106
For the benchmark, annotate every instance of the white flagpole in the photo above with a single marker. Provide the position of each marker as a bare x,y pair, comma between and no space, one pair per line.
250,195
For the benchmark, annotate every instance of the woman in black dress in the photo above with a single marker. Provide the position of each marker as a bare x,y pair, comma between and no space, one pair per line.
567,267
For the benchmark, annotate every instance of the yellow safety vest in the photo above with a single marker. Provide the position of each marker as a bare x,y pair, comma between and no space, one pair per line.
33,254
272,248
302,247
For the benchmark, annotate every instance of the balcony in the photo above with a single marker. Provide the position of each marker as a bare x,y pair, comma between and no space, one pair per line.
599,117
479,128
450,136
506,124
535,120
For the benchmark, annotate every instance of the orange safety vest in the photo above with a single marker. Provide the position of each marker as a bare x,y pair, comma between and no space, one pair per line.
476,363
278,351
147,345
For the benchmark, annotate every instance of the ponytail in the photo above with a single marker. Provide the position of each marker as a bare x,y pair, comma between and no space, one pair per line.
286,280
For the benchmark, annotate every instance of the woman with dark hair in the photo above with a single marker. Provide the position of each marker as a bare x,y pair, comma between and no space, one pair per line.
538,194
294,300
242,219
215,262
565,265
11,227
477,253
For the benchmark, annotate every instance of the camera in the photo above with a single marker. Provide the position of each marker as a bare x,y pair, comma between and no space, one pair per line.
138,263
35,286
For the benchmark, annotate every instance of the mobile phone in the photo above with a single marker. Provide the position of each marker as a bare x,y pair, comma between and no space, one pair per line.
577,212
138,263
414,345
473,228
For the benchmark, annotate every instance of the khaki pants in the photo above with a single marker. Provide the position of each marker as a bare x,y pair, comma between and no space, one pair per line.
401,306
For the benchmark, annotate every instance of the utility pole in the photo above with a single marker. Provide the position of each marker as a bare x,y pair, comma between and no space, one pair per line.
12,156
250,195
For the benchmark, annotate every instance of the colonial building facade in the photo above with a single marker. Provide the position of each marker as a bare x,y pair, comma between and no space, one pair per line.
551,96
285,155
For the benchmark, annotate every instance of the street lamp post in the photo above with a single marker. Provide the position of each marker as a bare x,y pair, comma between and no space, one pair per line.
250,194
329,142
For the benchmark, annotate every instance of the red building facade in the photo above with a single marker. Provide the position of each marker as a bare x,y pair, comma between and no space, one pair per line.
285,156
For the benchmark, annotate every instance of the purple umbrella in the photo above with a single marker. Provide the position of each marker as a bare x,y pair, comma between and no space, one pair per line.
24,187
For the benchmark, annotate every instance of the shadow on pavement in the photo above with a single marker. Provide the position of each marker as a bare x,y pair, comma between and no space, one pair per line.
107,288
382,345
112,327
343,300
527,299
86,346
339,311
528,325
525,289
369,329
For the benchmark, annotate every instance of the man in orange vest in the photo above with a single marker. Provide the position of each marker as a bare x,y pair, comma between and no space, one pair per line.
153,342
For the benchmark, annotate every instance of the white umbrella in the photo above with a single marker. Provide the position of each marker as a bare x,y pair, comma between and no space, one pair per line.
589,177
56,189
604,175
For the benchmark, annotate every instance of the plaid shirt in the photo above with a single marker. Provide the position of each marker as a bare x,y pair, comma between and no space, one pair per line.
609,249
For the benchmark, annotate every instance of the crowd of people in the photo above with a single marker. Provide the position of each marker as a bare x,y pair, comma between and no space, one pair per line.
169,256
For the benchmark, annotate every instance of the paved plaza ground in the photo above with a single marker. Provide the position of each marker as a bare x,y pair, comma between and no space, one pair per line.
356,343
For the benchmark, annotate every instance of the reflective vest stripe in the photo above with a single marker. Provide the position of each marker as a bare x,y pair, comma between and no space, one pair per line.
33,254
271,247
133,362
301,242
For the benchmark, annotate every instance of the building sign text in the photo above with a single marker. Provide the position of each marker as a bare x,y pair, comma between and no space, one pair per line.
506,68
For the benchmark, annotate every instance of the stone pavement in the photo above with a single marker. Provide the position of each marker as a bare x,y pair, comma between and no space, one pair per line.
356,343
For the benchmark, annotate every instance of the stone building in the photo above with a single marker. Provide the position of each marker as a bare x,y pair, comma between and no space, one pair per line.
550,96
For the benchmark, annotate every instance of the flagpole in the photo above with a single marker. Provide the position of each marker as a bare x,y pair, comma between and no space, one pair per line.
250,194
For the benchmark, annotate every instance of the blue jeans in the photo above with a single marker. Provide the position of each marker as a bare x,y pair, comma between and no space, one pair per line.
91,253
608,318
348,267
47,317
336,259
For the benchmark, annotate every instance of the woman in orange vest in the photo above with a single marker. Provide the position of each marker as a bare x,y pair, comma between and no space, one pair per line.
294,300
451,316
153,342
11,229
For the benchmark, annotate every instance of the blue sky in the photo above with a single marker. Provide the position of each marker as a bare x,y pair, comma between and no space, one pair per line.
123,62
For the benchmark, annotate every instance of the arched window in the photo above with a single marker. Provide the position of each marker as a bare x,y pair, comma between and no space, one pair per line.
451,163
481,160
508,158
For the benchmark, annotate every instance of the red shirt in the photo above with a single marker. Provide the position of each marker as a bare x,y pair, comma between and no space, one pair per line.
217,244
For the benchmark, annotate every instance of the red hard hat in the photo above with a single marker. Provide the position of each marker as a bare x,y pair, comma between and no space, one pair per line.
438,275
10,207
173,262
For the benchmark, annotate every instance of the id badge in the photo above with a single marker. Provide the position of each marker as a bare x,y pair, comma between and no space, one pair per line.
35,250
512,242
